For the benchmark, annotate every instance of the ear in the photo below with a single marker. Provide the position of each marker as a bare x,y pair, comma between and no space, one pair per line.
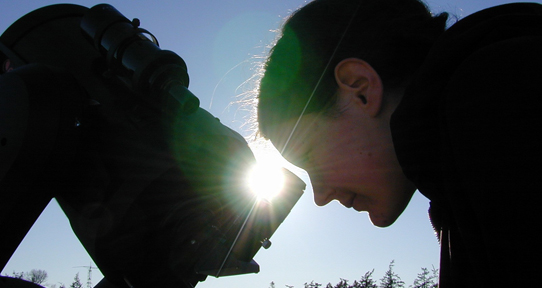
359,82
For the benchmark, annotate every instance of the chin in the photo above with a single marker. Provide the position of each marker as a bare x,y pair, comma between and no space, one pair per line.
387,213
382,221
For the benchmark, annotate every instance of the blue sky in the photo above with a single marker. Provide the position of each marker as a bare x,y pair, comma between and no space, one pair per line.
222,42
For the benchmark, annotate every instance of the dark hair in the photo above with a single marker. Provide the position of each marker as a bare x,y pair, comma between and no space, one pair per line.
393,36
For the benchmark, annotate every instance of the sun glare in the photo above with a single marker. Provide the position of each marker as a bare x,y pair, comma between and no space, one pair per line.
266,180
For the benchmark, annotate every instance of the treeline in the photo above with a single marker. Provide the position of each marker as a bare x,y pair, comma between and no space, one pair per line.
426,279
40,276
35,276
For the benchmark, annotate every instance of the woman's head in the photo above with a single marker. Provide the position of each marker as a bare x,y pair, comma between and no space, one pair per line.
371,48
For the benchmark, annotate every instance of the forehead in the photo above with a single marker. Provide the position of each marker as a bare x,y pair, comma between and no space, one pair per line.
294,137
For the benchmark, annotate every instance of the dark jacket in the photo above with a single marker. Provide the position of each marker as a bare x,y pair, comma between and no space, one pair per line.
468,133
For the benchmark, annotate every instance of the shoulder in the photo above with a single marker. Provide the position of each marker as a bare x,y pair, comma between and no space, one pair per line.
490,125
476,97
482,79
491,104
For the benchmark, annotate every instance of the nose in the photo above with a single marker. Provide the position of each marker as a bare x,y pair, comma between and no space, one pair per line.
325,190
322,195
322,192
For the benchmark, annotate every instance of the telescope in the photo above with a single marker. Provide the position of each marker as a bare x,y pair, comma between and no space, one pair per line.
94,114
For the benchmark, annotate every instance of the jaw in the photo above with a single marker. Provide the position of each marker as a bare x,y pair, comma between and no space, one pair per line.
380,220
388,212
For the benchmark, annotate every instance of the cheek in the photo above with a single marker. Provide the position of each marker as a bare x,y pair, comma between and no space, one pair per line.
336,167
338,156
356,169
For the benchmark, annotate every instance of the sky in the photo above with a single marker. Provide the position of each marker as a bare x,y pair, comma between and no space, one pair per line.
222,43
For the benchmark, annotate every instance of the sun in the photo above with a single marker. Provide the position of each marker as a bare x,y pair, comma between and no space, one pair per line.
266,180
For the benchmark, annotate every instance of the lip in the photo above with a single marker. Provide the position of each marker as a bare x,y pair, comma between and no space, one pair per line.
358,204
348,202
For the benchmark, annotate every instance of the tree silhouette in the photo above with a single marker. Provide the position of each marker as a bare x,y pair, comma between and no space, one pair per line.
17,275
342,284
76,282
36,276
312,285
391,279
366,281
426,279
